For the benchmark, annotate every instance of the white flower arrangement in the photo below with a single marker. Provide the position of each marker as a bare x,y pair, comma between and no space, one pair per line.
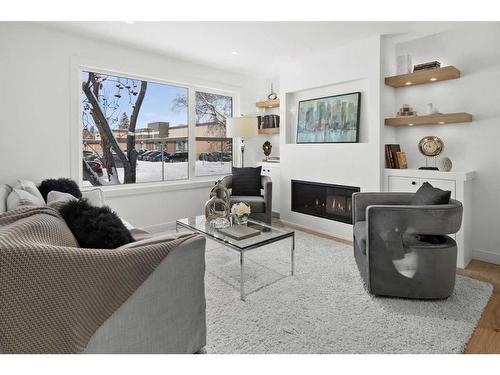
240,209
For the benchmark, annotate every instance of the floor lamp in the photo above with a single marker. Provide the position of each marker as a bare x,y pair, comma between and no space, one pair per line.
244,128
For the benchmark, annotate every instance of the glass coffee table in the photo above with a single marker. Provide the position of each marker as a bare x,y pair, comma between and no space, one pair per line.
268,234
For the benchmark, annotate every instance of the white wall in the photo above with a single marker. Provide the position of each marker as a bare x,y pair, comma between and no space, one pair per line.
475,51
39,94
355,67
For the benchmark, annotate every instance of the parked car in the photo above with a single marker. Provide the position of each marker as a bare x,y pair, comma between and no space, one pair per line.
96,166
177,157
203,156
221,156
144,154
90,156
215,156
151,155
159,157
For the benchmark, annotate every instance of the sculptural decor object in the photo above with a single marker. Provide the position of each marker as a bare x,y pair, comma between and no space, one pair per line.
272,95
267,148
430,146
445,164
218,204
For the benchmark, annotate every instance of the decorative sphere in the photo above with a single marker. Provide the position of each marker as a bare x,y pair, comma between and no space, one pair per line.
445,164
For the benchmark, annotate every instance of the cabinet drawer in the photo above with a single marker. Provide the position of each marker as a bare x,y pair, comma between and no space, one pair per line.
411,184
403,184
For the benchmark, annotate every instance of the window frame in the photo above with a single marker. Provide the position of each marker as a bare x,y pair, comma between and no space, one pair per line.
192,180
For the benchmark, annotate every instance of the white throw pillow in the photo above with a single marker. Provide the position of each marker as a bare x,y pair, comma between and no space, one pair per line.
30,187
19,198
55,199
5,190
94,197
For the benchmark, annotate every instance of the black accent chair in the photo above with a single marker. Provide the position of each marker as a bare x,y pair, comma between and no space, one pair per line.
403,250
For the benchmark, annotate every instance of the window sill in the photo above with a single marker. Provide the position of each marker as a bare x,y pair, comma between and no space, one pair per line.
151,188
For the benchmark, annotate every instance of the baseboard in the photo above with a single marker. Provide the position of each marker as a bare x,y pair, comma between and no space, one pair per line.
486,256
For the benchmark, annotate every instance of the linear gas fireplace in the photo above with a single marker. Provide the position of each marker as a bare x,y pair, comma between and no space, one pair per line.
328,201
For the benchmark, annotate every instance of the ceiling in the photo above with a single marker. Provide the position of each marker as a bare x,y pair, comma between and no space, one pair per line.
260,46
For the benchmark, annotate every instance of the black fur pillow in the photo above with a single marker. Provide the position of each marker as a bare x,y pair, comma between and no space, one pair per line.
95,227
64,185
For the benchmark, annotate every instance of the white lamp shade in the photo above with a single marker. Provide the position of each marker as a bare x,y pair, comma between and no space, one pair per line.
242,127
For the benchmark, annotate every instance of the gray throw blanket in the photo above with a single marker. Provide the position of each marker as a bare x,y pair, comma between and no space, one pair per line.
55,295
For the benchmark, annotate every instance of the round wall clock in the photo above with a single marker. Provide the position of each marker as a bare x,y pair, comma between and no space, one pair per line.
430,146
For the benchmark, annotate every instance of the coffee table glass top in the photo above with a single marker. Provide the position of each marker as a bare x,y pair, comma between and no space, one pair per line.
268,233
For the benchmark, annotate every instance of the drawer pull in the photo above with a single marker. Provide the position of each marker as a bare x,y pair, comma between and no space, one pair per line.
413,182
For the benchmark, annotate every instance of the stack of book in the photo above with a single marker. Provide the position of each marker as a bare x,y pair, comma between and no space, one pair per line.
427,65
394,157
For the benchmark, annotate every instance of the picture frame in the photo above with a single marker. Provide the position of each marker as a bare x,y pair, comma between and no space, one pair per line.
329,119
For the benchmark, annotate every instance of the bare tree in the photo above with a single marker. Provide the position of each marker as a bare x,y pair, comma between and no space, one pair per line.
102,109
211,109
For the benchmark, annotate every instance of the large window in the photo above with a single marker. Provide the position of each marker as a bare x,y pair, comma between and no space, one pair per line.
138,131
214,152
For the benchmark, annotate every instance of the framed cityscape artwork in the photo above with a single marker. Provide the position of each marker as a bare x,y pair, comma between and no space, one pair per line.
332,119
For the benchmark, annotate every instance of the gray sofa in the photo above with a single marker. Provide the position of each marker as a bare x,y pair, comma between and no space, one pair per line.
261,206
392,259
166,314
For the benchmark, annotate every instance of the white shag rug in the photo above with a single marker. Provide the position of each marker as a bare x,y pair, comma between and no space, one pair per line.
324,308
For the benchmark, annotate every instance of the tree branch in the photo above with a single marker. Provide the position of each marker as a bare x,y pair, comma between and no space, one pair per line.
102,122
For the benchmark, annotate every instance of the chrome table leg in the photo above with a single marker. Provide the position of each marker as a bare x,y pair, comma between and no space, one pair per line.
242,275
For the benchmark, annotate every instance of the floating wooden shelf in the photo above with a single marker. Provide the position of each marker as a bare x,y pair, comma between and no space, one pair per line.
423,76
268,104
436,119
269,131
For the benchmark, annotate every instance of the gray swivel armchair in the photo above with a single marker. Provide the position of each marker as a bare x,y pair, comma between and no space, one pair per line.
261,206
393,256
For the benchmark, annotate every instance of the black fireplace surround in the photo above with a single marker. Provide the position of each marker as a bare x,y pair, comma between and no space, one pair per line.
328,201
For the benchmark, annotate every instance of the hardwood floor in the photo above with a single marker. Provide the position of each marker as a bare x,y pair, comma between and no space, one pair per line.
486,338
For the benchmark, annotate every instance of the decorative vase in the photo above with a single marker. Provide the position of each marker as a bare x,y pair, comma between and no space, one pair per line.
220,191
218,204
431,109
216,208
403,64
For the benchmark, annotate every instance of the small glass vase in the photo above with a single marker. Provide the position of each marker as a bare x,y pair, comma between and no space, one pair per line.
241,219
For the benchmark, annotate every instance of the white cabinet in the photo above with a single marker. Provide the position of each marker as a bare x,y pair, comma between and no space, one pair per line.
412,184
406,184
273,170
460,185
